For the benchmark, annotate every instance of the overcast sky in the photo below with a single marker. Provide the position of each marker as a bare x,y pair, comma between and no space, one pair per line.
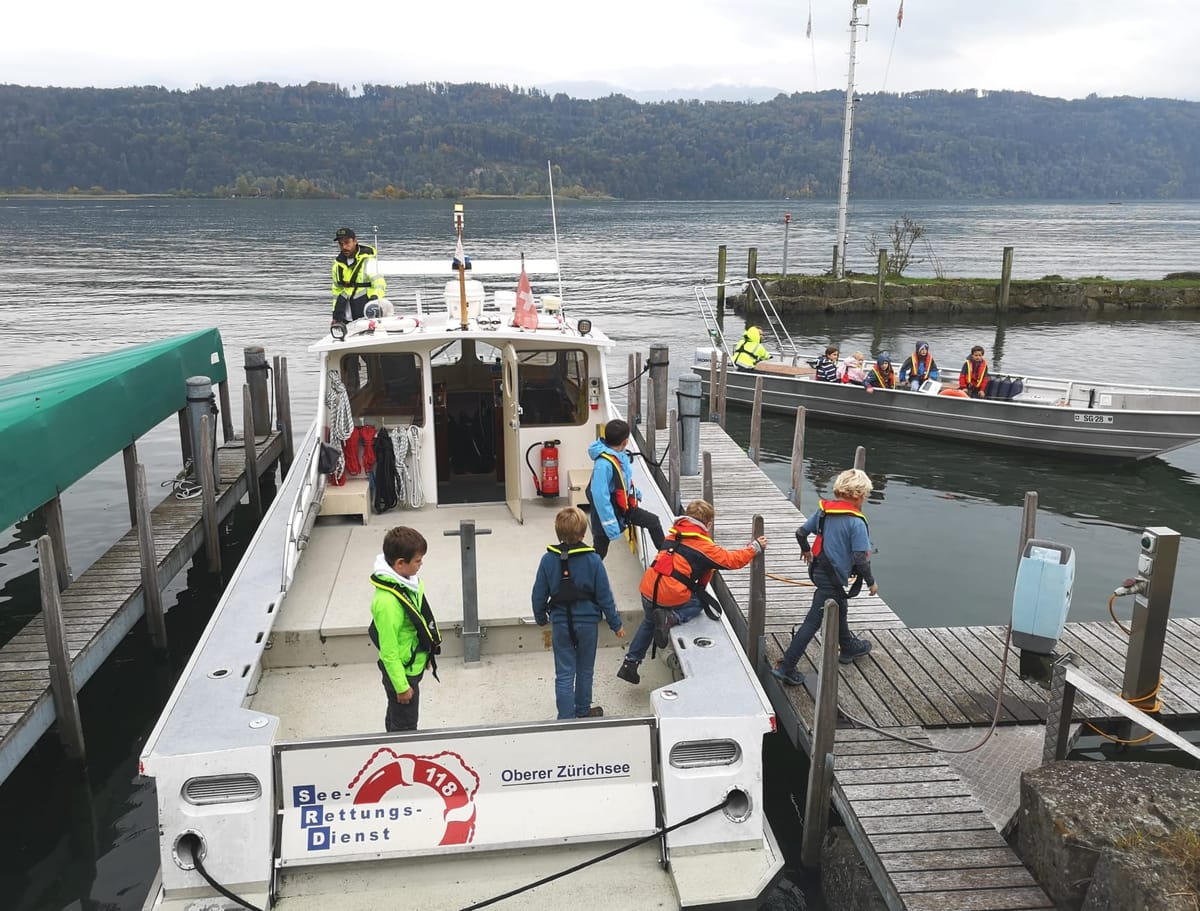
1062,48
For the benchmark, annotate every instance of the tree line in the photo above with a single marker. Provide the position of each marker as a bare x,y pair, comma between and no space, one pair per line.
443,139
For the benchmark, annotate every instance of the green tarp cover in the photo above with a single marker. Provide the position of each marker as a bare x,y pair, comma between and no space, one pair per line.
58,423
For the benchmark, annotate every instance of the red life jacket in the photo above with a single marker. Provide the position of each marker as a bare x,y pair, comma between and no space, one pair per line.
832,508
622,496
970,379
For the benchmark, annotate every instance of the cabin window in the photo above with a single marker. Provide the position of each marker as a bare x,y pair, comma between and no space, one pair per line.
385,385
552,387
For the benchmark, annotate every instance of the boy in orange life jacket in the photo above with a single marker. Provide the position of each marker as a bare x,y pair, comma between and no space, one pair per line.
973,378
611,492
673,585
574,595
842,549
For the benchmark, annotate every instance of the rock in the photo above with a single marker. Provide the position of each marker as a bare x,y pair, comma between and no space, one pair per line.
845,882
786,896
1073,814
1122,879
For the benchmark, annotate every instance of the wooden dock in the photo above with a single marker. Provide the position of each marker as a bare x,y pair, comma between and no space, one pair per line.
102,605
915,820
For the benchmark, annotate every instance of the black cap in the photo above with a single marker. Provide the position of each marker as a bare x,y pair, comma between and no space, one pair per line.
343,233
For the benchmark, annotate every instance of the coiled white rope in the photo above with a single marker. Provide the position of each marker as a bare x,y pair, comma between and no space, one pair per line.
341,421
406,441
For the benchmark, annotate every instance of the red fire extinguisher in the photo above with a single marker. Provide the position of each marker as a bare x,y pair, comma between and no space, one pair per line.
547,483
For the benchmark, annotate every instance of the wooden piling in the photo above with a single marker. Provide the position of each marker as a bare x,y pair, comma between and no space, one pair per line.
637,389
156,620
630,396
756,421
53,517
721,393
713,414
185,436
881,280
673,459
129,456
721,261
226,411
860,458
1028,521
62,682
283,408
751,274
797,457
706,484
816,804
756,616
208,494
648,428
248,424
1005,279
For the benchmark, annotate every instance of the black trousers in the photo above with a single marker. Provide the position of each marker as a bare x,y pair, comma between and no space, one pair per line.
636,516
400,716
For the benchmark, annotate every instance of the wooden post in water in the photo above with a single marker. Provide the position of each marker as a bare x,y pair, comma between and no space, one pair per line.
706,485
648,429
226,411
883,260
721,393
208,496
721,258
713,414
835,260
1028,521
637,390
248,422
255,365
62,681
630,397
185,436
283,408
756,618
797,457
53,517
816,805
751,274
860,457
1005,278
156,621
673,459
756,421
129,455
660,359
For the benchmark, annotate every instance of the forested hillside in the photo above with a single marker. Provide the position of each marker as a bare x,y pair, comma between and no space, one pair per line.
442,139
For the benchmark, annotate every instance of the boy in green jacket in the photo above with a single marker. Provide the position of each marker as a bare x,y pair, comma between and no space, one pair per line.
402,626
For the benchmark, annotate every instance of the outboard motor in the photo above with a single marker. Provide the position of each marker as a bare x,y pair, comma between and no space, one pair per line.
1041,599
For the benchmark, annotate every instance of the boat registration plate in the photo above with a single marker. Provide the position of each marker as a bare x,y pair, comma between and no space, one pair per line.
1093,418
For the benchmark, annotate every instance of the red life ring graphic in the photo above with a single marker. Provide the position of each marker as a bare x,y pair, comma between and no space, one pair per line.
446,774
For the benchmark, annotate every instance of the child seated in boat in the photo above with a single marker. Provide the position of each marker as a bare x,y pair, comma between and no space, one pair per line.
402,625
851,370
827,367
973,378
881,375
918,367
571,592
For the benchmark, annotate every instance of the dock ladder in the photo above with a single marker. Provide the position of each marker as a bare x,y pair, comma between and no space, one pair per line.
784,344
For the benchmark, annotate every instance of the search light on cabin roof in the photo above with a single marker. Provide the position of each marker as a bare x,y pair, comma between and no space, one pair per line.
584,326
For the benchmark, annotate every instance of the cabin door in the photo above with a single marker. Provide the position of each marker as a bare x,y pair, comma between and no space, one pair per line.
512,431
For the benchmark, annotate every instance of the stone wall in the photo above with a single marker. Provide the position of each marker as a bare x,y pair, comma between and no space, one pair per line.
810,294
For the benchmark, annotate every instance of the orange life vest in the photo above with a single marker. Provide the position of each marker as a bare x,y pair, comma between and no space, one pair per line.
832,508
971,379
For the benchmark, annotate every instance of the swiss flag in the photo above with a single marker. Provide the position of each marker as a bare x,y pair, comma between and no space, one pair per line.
525,313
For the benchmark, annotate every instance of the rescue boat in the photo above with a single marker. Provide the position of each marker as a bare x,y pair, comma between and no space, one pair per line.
277,785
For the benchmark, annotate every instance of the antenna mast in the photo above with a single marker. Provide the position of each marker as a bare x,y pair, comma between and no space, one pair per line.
848,130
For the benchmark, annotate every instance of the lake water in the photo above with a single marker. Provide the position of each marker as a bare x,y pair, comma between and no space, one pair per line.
91,276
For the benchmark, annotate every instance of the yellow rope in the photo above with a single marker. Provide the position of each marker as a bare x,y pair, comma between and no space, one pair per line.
1112,613
1152,709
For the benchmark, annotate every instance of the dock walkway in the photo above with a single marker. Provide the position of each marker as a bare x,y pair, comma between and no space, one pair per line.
926,832
102,605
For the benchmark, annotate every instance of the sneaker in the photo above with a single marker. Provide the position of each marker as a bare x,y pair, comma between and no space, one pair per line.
594,712
862,647
664,620
791,678
629,671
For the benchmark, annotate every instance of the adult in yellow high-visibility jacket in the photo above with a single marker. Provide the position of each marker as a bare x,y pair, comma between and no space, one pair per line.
750,350
353,287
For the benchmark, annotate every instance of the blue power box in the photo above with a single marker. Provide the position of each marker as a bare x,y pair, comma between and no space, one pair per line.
1042,595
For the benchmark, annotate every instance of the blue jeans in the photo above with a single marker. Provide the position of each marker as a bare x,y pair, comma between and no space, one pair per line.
645,633
826,587
574,666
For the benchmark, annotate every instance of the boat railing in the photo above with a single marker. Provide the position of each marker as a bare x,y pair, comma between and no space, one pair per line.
785,345
711,324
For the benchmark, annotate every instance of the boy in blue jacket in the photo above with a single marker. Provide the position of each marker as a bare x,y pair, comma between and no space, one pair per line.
571,592
611,492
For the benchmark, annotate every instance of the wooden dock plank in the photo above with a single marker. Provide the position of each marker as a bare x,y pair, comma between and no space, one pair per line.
1003,899
938,841
946,685
952,859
